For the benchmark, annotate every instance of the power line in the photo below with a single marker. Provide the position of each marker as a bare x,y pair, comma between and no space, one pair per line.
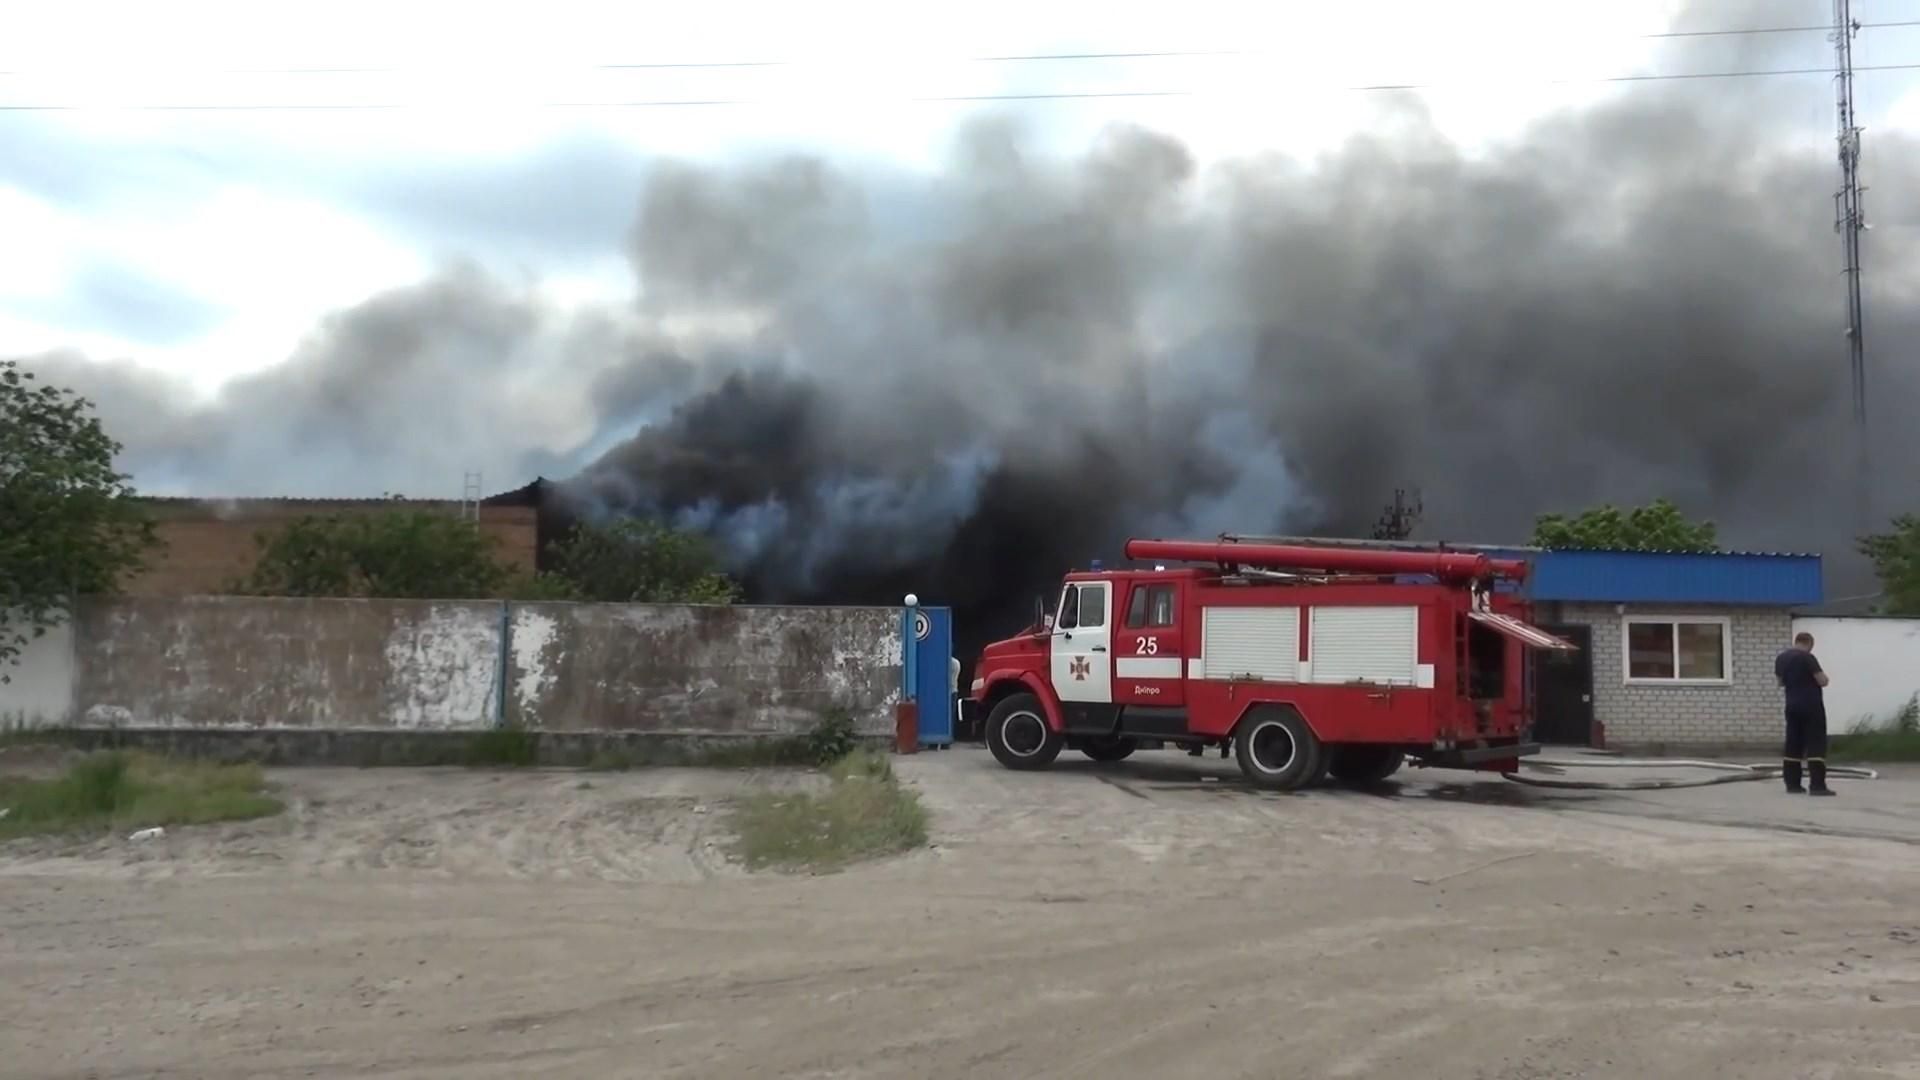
1001,58
1056,95
1823,28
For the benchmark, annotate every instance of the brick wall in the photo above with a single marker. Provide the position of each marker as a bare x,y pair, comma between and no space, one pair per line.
206,546
1744,713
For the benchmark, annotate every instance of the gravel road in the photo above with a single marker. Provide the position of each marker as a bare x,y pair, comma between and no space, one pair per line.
1153,918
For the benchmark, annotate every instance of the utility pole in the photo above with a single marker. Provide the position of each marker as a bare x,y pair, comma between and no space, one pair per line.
1849,220
1397,521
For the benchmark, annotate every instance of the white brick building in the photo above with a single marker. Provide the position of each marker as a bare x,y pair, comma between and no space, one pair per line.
1677,648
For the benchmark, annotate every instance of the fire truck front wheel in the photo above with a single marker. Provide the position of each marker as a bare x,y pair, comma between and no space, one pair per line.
1018,734
1277,750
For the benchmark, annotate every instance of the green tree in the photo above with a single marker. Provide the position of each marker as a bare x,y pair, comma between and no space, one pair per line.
1896,558
398,553
634,560
1658,526
69,524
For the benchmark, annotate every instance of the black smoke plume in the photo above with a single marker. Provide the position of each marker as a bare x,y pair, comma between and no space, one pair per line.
1635,302
865,383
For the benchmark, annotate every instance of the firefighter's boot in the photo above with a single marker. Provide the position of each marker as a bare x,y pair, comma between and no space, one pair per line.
1817,777
1790,771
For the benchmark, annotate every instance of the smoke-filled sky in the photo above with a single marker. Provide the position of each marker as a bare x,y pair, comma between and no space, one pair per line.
867,365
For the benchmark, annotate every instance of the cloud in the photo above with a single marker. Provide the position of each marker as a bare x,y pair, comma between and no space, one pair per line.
566,201
123,301
405,392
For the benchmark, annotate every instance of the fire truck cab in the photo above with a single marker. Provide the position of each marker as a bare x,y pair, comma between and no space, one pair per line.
1305,660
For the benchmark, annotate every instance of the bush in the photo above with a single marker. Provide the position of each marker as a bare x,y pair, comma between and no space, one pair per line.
1907,720
419,554
832,738
634,560
1898,740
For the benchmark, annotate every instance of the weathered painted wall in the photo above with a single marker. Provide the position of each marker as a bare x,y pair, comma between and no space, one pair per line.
250,663
1874,664
39,688
684,669
241,662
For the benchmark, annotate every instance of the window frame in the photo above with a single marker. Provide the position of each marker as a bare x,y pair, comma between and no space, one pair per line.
1627,623
1141,596
1078,590
1106,605
1071,588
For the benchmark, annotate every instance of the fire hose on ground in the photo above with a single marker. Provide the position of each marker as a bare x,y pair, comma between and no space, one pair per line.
1729,772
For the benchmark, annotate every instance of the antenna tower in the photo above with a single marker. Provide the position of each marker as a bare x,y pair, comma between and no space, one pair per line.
1849,220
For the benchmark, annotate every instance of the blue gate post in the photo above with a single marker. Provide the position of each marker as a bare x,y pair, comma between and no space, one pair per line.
933,674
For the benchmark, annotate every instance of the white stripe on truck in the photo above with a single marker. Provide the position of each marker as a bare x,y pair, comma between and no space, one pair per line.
1147,667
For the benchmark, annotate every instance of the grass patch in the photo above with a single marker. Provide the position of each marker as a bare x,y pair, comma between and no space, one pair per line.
1895,741
865,813
1876,746
117,790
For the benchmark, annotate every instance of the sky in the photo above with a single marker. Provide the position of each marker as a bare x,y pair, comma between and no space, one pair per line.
200,245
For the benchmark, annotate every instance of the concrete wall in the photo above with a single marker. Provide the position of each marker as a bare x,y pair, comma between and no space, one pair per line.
258,664
240,662
39,688
679,669
1744,712
1874,664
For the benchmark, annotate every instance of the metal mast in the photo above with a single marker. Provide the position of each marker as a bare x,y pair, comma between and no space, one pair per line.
470,497
1850,221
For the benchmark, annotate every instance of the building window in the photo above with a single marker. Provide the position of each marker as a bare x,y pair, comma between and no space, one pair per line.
1678,649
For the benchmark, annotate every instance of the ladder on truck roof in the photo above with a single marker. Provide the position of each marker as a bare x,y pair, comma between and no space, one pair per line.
1450,566
1383,545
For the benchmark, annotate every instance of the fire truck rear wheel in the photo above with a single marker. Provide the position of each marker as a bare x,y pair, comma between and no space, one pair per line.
1277,750
1018,734
1364,764
1114,749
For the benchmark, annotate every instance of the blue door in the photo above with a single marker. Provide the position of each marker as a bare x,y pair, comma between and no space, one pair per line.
928,671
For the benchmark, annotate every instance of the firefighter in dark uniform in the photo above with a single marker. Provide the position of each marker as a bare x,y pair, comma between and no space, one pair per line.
1802,681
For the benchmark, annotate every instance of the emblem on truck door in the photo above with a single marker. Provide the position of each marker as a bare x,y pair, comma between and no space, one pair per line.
1080,668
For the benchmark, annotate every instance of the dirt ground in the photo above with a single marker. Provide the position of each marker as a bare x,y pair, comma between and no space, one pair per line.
1149,919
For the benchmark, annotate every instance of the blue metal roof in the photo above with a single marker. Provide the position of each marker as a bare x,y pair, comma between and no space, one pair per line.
1676,577
1755,578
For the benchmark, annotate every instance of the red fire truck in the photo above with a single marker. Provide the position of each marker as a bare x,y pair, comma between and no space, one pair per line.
1304,659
